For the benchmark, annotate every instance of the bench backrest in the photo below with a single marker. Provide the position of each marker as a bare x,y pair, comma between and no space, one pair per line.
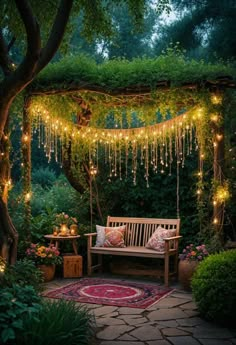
139,230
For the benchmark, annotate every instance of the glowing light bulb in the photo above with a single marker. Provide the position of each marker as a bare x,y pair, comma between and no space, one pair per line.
215,220
219,137
214,118
27,196
25,138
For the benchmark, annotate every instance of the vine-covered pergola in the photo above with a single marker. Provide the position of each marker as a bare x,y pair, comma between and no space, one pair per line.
148,111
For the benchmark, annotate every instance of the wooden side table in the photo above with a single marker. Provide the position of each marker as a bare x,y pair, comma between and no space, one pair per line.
56,239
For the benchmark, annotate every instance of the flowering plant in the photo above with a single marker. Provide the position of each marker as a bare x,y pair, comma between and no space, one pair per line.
63,218
42,255
194,253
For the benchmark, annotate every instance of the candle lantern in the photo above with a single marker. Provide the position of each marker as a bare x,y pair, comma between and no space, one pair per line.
55,231
64,230
74,229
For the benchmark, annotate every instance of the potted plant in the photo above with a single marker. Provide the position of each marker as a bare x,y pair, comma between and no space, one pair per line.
45,258
64,222
189,260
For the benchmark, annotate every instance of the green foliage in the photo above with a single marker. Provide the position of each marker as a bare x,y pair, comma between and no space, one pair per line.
214,287
44,177
61,322
172,65
15,303
22,273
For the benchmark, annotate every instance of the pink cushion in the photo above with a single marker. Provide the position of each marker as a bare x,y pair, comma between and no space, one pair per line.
114,237
156,241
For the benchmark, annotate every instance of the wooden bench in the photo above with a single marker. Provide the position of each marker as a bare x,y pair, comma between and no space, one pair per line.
138,232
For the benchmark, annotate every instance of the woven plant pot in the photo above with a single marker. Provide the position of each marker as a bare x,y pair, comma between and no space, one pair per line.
186,270
48,272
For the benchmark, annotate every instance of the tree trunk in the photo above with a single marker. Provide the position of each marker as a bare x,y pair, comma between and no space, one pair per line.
8,235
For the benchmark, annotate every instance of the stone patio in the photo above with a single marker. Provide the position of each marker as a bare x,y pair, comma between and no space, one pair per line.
173,320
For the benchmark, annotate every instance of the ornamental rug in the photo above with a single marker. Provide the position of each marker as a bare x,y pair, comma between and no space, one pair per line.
111,292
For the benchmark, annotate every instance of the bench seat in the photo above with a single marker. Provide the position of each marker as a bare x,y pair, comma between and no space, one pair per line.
138,232
130,251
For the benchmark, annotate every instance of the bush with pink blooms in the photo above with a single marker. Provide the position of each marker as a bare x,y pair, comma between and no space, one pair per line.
194,253
42,255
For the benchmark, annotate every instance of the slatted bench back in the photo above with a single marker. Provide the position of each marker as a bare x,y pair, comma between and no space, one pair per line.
139,230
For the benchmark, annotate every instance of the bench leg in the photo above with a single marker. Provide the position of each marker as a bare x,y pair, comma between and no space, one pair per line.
166,273
100,262
89,263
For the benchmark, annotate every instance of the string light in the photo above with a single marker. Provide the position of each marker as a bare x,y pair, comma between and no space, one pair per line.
2,266
27,196
25,138
219,137
215,220
214,117
148,146
216,99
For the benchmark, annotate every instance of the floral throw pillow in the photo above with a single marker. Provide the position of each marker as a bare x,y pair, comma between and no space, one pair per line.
114,237
100,239
156,241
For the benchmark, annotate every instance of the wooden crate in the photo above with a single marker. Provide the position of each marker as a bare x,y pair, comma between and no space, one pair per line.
72,266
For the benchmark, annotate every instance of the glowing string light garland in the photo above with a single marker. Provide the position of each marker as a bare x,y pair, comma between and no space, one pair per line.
152,147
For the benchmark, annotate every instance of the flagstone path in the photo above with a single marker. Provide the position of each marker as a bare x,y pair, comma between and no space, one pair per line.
174,320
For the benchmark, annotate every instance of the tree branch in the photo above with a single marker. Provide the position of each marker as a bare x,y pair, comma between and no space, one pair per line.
25,71
4,57
56,35
11,43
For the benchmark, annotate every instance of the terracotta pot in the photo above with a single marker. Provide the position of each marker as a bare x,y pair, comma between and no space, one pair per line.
186,270
48,272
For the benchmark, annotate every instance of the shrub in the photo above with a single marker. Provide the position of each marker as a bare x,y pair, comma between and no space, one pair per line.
44,177
60,322
16,302
214,287
22,273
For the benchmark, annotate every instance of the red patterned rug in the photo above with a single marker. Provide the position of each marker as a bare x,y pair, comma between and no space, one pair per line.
111,292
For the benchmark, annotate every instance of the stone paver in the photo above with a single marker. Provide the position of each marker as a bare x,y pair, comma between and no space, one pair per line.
166,314
189,305
170,302
158,342
206,332
127,337
183,341
146,333
132,311
171,323
104,310
113,332
138,321
215,342
172,332
193,321
108,321
115,313
118,342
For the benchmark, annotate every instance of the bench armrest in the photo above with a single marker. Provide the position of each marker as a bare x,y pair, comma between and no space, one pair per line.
90,234
175,240
90,237
172,238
